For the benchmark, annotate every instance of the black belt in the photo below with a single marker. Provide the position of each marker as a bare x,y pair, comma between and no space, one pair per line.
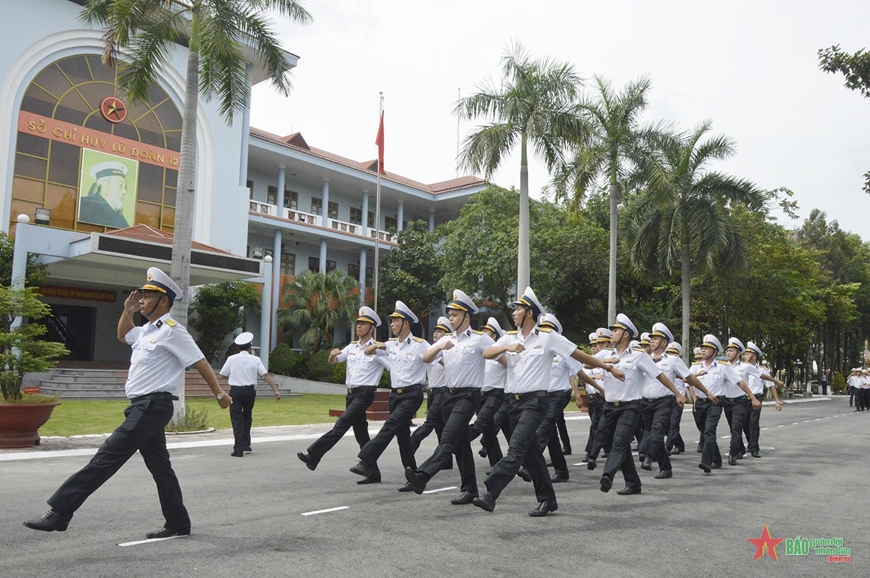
408,388
155,395
654,399
351,389
455,390
522,396
702,399
560,392
624,403
495,392
241,386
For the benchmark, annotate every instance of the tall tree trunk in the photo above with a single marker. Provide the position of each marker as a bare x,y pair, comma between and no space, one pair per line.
611,272
185,201
523,257
686,282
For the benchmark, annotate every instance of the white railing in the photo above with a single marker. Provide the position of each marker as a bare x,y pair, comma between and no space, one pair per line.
345,227
262,208
300,217
384,236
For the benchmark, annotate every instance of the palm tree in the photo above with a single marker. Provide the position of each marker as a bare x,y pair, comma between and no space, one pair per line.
215,32
318,302
533,105
684,217
609,151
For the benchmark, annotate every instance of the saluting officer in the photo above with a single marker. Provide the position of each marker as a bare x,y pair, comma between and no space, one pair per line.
161,350
363,375
621,410
241,371
755,378
492,398
529,352
404,355
462,352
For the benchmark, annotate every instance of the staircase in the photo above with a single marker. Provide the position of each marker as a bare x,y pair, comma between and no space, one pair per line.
107,384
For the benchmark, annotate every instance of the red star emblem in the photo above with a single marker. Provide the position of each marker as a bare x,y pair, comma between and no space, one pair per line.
113,109
765,544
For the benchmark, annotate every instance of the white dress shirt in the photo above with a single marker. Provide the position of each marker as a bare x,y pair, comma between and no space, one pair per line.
242,369
563,369
751,375
362,369
674,369
464,362
435,375
637,365
404,359
161,351
495,375
532,368
719,379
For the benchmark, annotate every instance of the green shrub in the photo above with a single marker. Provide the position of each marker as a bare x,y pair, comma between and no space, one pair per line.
300,365
386,382
838,383
282,360
193,420
319,368
339,372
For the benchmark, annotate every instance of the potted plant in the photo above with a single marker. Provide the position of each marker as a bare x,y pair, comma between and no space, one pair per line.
21,352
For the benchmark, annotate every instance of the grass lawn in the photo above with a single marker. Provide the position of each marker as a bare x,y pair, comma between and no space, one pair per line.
96,417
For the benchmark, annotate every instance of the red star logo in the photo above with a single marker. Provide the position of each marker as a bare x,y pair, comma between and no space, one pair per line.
765,544
113,109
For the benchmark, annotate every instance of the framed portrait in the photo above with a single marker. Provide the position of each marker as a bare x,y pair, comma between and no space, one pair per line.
107,189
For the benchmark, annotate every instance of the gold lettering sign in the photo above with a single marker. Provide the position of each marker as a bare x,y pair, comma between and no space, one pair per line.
76,293
60,131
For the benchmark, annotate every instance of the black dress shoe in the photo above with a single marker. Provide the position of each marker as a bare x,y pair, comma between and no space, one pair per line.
590,465
641,457
406,488
543,509
417,485
362,469
604,456
628,491
756,455
705,467
247,449
700,448
664,475
741,455
524,474
464,498
484,502
732,460
647,464
585,459
677,451
308,460
566,451
372,479
560,476
238,454
168,532
606,484
50,521
482,452
716,465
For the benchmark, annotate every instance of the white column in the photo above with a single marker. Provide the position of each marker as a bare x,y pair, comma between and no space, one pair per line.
282,175
324,211
365,213
362,275
276,286
323,255
266,313
400,216
431,219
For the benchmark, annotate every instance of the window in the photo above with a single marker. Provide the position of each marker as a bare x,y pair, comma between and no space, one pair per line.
330,265
333,210
288,263
353,273
371,224
314,264
356,216
316,205
391,223
250,185
291,199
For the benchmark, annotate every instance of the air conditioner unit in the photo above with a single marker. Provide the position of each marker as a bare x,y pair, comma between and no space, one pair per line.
257,252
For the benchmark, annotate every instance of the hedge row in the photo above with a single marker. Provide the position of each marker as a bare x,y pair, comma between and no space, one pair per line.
285,361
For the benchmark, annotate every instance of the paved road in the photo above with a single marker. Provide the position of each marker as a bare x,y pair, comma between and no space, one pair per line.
249,514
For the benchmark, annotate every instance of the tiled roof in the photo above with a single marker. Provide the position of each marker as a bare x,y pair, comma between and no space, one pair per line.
146,233
297,142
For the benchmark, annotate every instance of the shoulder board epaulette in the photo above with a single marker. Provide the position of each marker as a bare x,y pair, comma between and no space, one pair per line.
393,339
418,339
171,323
477,332
545,329
514,332
354,342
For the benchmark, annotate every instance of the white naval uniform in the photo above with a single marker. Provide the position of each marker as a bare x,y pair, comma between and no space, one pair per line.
161,352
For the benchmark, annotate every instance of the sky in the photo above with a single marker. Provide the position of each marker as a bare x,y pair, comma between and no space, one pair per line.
750,67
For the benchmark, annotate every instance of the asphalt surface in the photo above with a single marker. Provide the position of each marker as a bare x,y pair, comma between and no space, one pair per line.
249,514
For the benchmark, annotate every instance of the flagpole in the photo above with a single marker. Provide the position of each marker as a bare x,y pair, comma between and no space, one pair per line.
378,209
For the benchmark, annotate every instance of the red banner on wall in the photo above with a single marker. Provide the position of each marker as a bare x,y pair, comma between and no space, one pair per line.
76,293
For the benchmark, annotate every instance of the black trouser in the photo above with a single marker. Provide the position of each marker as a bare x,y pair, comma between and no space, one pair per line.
675,440
736,409
562,427
548,435
143,430
864,396
501,420
752,427
619,422
457,408
596,405
707,416
603,438
433,417
852,390
526,415
402,408
356,403
642,428
657,413
484,426
241,415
